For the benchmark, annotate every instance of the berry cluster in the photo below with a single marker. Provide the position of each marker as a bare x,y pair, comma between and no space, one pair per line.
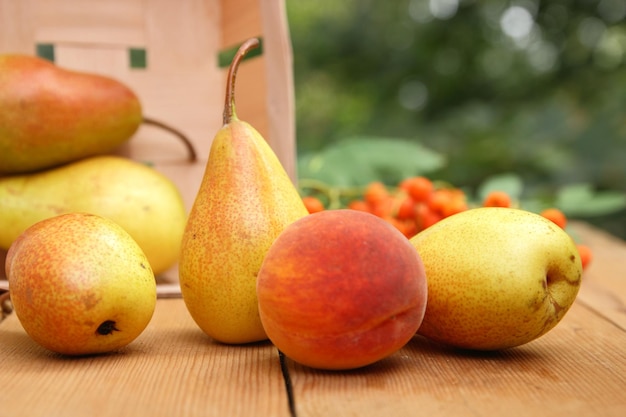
417,203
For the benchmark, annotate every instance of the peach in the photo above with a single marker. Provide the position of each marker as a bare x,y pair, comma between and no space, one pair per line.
341,289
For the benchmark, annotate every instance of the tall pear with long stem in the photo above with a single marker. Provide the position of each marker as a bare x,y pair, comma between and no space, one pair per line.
244,202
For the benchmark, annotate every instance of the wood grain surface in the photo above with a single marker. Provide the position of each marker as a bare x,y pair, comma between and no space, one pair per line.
172,369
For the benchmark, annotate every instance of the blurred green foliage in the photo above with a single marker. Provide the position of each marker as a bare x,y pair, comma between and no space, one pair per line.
528,89
361,160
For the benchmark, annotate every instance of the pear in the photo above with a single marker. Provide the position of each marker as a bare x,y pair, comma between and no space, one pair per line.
80,284
50,115
497,277
137,197
244,202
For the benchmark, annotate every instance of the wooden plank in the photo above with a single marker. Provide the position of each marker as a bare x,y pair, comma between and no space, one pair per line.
118,22
240,20
108,60
577,369
604,282
172,369
182,37
280,100
17,26
191,104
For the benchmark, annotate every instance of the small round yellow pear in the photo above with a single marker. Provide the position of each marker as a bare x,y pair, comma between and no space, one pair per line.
80,284
497,277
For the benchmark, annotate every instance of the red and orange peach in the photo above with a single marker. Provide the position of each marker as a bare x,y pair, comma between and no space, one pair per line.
341,289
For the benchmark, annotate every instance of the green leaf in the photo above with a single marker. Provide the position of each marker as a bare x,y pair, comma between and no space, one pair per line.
534,204
581,200
361,160
509,183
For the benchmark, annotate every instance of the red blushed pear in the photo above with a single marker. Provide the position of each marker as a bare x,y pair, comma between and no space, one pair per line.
50,116
341,289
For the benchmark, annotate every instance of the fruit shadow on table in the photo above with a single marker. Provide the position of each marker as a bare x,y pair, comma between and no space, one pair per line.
419,351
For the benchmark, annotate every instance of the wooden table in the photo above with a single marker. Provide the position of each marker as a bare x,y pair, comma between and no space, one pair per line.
174,370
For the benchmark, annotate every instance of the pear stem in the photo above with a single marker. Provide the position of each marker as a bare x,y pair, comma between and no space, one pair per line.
229,104
188,144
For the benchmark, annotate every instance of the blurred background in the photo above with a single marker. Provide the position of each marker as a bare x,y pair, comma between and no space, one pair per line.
525,95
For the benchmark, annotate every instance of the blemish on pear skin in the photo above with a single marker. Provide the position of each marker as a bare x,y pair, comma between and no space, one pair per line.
142,265
106,328
90,301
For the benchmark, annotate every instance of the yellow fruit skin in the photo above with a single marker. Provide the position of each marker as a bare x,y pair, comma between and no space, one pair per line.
69,274
245,200
137,197
497,278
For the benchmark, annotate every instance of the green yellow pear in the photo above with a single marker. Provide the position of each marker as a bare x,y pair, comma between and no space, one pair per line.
244,202
137,197
50,115
497,277
80,284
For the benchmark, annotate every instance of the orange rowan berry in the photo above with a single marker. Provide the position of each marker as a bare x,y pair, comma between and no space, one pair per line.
497,199
438,200
425,217
409,227
359,205
556,216
313,204
382,208
586,254
394,222
453,206
448,201
419,188
375,192
406,208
